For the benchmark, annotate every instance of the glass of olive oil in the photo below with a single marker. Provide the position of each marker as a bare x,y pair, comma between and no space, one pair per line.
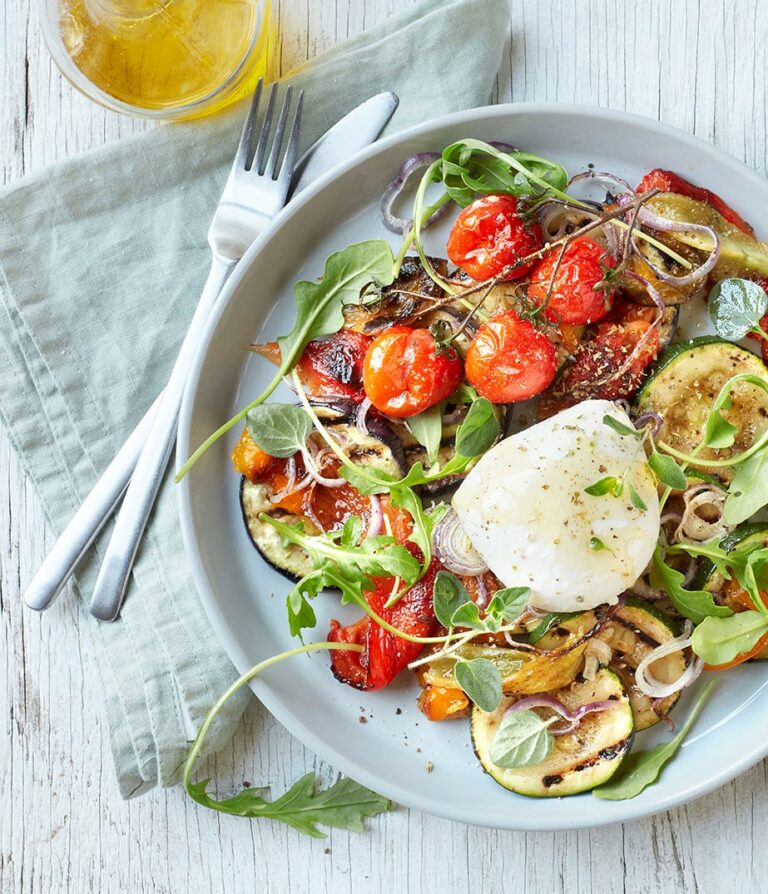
159,58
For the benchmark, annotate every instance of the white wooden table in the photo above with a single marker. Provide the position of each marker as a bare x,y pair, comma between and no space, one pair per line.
696,64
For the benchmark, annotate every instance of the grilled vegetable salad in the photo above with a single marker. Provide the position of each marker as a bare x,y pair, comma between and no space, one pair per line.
556,586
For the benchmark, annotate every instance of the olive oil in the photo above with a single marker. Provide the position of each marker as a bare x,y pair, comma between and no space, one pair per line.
168,55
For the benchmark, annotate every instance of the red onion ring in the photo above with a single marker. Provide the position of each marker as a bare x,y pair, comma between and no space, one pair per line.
482,592
644,418
648,218
309,462
399,224
377,517
458,556
360,416
603,177
574,718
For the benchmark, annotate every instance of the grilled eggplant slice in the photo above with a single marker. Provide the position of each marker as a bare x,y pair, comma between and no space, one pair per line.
383,453
578,761
409,297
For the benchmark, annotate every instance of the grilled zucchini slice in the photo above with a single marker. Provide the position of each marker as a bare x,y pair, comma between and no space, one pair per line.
635,630
684,386
578,761
292,561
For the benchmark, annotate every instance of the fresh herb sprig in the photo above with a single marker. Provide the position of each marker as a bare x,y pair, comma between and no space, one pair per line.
344,805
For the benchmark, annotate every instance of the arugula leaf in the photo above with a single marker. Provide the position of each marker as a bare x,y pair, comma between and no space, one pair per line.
464,394
448,594
736,306
343,806
522,740
667,471
481,681
469,167
747,562
626,431
301,615
367,480
342,560
607,485
635,498
692,604
641,768
279,429
720,640
427,428
478,430
423,522
319,312
748,490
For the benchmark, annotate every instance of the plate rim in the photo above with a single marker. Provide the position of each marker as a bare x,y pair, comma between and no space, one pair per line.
347,764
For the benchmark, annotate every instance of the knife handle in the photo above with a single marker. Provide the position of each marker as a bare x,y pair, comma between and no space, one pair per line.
148,475
89,519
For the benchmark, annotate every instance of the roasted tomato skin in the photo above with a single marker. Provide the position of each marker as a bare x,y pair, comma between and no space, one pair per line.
589,375
403,373
577,296
490,235
330,367
668,181
510,360
386,654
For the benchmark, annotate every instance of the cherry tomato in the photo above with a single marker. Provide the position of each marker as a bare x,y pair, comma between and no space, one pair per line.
386,654
577,295
667,181
510,360
490,235
404,374
594,371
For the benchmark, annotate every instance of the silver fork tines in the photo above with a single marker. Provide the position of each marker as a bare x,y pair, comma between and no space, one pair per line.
251,198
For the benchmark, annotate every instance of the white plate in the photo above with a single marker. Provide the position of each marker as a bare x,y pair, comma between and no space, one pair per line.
245,598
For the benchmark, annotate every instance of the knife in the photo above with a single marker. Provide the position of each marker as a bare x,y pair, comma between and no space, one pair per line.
356,130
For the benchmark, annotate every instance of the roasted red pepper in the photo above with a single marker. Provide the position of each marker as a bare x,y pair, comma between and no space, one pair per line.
667,181
386,654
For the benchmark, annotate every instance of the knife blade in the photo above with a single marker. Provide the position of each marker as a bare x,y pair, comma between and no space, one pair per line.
356,130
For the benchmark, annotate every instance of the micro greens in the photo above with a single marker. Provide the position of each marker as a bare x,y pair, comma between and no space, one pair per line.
736,307
319,312
343,806
454,608
642,768
635,498
608,485
522,740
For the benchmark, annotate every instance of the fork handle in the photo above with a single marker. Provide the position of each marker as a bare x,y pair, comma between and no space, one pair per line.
150,468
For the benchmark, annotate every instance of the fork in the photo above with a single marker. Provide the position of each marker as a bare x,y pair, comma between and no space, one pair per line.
255,191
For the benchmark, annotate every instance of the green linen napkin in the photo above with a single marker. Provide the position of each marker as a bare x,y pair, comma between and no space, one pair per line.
102,259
